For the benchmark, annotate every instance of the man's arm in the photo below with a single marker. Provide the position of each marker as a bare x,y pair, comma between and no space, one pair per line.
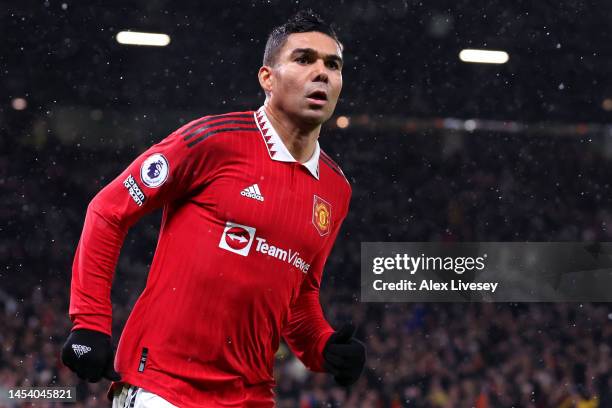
307,330
163,173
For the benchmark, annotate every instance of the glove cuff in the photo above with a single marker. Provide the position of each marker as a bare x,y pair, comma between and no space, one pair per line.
100,323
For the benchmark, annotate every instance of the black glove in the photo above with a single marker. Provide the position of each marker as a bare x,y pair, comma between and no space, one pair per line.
89,354
344,356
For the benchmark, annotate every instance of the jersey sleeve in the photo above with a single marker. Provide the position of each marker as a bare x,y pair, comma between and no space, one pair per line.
165,172
307,330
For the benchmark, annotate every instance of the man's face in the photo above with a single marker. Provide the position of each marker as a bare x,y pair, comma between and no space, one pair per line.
306,80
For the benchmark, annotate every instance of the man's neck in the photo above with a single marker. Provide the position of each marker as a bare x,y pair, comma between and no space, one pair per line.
301,142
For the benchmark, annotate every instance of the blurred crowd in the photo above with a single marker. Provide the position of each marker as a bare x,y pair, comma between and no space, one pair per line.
477,355
406,187
419,355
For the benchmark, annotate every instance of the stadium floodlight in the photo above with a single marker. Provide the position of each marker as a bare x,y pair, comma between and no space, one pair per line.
138,38
484,56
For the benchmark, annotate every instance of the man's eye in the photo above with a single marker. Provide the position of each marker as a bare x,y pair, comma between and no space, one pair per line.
333,65
302,60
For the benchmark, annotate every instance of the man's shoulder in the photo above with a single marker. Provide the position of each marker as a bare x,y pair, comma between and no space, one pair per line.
244,115
198,130
329,163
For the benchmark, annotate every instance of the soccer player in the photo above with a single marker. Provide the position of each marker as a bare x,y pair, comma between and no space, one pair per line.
251,209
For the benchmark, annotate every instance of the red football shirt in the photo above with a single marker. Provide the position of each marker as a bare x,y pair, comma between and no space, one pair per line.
245,233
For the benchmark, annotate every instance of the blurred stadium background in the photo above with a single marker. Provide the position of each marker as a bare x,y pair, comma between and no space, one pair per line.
436,149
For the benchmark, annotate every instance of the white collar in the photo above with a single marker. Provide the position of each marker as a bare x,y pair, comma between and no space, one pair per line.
277,149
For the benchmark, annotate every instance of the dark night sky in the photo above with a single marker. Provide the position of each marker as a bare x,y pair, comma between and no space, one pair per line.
401,56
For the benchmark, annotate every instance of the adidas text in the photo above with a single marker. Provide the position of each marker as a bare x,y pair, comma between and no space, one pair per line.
252,192
79,350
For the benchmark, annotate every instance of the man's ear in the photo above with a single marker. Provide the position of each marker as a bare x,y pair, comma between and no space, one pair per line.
265,78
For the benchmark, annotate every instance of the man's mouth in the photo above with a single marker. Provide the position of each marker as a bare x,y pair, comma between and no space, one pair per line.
318,97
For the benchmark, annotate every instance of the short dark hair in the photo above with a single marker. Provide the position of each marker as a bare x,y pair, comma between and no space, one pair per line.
303,21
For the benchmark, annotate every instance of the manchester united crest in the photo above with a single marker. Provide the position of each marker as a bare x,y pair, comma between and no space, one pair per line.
321,215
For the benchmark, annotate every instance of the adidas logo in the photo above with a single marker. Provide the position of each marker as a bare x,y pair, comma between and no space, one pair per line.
252,192
80,350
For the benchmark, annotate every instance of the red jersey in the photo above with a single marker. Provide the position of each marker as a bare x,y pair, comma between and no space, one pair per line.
245,233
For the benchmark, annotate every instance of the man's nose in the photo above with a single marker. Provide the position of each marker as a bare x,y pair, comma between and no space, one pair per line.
320,72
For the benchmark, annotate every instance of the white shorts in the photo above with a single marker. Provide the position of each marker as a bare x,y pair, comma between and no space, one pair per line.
131,396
